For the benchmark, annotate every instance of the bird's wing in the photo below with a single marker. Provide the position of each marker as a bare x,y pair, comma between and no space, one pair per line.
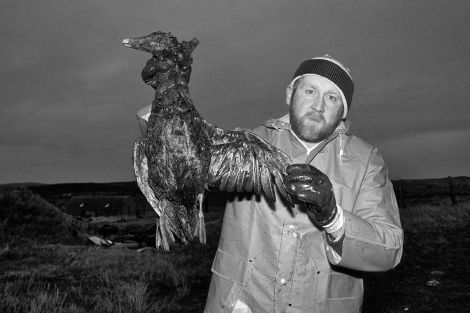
173,220
141,175
242,161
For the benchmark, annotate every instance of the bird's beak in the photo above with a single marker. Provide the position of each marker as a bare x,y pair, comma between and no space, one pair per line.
141,43
132,43
135,43
127,42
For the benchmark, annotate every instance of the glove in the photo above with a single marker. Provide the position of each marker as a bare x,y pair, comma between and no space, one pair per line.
314,188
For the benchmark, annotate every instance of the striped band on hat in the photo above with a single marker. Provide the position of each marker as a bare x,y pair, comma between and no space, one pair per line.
332,70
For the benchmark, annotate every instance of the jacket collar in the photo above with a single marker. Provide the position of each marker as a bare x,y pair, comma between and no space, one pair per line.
344,128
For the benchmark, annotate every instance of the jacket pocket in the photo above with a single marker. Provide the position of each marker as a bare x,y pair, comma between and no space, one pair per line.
338,286
340,305
338,292
232,267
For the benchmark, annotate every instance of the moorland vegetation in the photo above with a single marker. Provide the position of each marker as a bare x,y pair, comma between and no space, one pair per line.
48,265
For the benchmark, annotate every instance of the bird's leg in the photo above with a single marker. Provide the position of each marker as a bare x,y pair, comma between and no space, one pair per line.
201,224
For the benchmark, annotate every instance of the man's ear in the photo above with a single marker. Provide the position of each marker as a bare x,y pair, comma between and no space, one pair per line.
289,91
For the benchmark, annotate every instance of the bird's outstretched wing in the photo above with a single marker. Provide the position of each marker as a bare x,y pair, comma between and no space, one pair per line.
242,161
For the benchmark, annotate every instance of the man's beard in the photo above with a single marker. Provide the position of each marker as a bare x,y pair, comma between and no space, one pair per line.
304,132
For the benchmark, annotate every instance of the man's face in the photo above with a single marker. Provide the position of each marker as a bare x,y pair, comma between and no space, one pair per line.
315,108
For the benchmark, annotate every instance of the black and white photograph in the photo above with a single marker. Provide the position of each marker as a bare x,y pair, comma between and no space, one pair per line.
218,156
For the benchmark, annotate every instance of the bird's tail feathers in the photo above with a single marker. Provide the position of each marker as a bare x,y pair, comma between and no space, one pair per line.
173,224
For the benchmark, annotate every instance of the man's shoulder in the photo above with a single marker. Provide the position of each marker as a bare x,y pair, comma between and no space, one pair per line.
358,143
360,149
271,127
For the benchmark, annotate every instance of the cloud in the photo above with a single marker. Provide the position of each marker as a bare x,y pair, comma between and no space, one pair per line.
70,90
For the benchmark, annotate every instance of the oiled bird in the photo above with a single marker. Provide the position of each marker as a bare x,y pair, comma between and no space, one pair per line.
181,154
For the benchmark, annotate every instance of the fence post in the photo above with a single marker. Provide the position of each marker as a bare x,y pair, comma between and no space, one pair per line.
451,191
402,193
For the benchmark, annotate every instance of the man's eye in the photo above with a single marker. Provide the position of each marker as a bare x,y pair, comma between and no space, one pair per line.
333,98
310,91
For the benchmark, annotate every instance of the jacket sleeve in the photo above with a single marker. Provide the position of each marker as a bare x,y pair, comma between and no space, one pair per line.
373,237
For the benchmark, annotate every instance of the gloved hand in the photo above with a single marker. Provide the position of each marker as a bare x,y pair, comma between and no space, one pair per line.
314,188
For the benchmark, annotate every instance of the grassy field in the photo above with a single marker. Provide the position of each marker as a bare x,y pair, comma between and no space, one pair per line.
434,274
40,271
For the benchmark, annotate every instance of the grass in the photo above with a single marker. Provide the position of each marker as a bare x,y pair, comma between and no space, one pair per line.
41,273
38,277
434,274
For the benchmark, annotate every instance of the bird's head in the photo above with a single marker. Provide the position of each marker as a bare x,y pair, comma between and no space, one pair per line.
168,56
154,43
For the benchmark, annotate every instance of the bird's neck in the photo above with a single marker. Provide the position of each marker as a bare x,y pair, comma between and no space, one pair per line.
172,100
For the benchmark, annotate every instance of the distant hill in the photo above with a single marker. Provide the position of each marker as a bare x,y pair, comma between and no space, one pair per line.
27,184
406,189
416,187
26,216
433,186
48,190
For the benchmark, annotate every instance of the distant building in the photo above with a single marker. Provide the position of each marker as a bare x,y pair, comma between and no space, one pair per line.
91,206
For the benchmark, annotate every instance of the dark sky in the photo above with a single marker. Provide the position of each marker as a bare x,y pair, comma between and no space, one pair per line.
70,90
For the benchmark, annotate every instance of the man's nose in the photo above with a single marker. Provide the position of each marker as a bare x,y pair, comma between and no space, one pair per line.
318,104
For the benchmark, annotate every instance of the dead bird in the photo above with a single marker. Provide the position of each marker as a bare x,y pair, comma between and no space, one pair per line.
182,154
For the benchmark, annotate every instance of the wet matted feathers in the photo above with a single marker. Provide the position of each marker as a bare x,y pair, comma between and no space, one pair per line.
182,154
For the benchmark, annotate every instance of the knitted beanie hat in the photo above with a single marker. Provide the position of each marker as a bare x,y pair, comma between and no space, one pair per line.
332,70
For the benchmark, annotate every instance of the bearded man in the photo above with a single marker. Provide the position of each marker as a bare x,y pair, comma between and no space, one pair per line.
274,258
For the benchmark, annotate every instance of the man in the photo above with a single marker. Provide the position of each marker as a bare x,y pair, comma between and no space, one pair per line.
272,258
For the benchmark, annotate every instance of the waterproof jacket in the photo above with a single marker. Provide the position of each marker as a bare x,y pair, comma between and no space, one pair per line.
274,259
